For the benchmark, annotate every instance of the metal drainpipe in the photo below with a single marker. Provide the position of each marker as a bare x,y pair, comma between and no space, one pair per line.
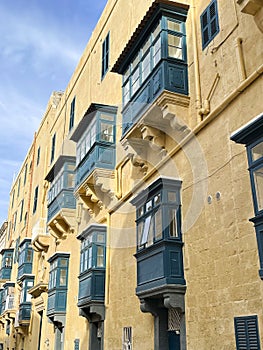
198,99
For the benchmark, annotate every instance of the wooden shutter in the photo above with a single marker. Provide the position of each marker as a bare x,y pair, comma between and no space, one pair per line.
246,330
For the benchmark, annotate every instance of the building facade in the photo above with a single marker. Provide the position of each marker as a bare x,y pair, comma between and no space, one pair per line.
134,221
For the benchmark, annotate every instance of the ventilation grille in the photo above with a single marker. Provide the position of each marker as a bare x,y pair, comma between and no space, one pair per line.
127,338
174,320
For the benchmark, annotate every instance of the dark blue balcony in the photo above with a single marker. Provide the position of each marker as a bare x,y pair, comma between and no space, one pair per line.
166,76
160,265
64,200
95,136
91,287
57,301
24,312
7,262
25,258
100,156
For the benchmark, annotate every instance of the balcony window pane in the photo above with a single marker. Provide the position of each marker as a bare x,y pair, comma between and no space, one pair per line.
257,151
172,223
146,67
136,61
100,256
126,74
149,205
126,92
93,134
100,238
146,227
175,46
146,46
71,178
158,224
63,262
106,132
151,232
174,26
139,232
108,117
157,53
63,277
135,80
90,258
258,178
29,256
157,30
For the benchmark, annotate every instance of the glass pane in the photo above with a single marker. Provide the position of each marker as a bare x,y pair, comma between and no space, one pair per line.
136,61
63,277
107,117
100,237
28,297
157,51
126,74
158,224
157,199
82,150
258,178
140,211
151,233
146,46
174,40
90,258
157,30
172,223
139,232
173,26
87,140
126,92
257,151
70,180
146,228
106,132
100,256
146,68
175,52
63,262
135,80
93,134
29,256
149,205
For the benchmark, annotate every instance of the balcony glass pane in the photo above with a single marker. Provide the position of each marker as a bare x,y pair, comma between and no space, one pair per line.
158,224
257,151
258,178
136,61
175,46
90,258
146,46
146,66
126,92
71,181
157,53
156,30
63,277
63,262
146,227
172,223
174,26
100,256
106,132
135,80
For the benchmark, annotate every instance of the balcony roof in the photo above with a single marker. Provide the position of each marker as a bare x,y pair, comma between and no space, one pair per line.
133,43
58,165
249,132
87,118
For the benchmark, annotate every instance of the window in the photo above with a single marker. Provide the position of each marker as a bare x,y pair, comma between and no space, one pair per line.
72,114
25,297
14,221
105,55
38,155
25,174
35,200
251,135
209,23
127,338
246,331
13,198
21,210
58,275
167,39
92,253
53,145
158,217
18,187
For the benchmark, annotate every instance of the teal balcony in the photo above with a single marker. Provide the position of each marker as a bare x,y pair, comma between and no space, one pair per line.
95,137
25,258
7,262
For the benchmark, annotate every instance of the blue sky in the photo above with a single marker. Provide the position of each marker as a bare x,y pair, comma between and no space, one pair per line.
41,43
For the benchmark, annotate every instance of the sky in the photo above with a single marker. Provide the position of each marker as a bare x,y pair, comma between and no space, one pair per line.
41,43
